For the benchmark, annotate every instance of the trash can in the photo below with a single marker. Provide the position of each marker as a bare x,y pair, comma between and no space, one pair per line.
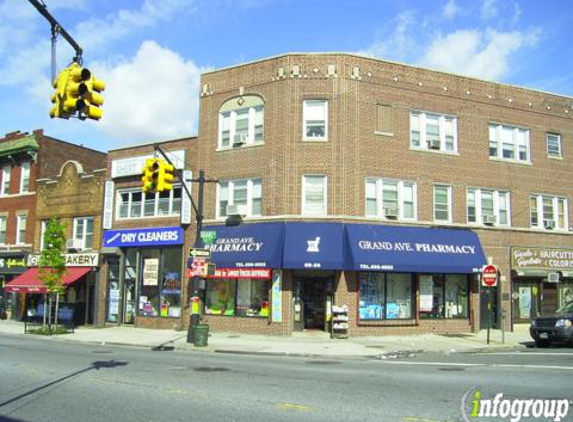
200,335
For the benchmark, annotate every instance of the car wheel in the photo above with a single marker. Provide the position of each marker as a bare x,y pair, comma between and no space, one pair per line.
542,343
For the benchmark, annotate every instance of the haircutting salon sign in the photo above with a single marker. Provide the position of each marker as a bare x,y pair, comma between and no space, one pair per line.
542,258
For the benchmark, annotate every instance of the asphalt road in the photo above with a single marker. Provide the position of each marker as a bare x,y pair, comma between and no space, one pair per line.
51,380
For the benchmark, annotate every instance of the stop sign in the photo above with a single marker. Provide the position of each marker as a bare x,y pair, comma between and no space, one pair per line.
489,276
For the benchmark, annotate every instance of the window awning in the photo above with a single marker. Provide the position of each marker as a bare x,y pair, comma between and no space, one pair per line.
247,245
314,246
413,249
28,282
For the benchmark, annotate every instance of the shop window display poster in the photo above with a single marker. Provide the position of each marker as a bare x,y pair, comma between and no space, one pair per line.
426,293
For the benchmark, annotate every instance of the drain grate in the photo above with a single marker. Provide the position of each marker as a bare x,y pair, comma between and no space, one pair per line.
451,368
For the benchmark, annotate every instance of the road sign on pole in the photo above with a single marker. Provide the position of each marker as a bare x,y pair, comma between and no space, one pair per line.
489,276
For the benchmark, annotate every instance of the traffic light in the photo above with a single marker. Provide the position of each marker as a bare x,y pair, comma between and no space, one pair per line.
58,97
150,176
82,93
165,179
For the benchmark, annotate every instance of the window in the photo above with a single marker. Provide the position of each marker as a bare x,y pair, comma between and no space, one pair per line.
136,204
490,207
315,117
84,232
391,199
2,230
433,132
314,201
160,288
509,143
237,297
241,122
43,226
553,145
443,203
246,195
5,188
385,296
21,229
548,212
444,296
384,119
25,177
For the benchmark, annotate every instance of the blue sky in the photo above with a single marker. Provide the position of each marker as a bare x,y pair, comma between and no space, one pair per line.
151,53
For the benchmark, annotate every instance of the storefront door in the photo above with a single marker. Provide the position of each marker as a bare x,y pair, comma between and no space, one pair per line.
488,296
128,301
311,295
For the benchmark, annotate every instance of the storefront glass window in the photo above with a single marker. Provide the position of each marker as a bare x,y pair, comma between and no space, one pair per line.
170,283
149,299
238,297
443,296
385,296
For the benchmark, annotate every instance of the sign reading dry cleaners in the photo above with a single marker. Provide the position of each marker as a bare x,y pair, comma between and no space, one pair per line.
156,236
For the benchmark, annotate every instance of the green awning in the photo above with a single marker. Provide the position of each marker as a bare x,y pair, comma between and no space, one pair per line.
14,146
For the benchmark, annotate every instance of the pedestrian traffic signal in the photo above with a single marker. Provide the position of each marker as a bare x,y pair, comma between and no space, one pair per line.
165,179
150,176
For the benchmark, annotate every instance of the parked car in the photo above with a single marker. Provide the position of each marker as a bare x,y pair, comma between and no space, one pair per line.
559,327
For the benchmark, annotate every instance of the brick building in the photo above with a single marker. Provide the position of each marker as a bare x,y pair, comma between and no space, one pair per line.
346,180
30,164
146,239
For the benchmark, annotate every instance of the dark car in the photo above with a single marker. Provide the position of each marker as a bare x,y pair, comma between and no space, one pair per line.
558,327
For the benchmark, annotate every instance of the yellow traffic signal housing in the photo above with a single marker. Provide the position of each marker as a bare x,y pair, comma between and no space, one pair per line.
58,98
150,176
82,93
165,179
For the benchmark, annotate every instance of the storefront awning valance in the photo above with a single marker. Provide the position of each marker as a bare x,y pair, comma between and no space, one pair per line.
413,249
314,246
29,282
247,245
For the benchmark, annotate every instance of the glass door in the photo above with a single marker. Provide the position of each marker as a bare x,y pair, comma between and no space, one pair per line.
129,283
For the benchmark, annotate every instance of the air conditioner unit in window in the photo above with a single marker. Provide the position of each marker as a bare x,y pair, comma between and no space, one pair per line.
549,224
237,210
391,212
553,278
74,244
239,139
434,144
489,220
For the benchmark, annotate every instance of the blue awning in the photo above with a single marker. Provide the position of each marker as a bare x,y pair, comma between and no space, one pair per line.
413,249
247,245
314,246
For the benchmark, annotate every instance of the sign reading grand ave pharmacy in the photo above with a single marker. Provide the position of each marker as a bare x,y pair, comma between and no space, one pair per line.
154,236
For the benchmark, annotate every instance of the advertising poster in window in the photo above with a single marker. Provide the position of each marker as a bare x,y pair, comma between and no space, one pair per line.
171,284
276,294
150,271
524,302
426,293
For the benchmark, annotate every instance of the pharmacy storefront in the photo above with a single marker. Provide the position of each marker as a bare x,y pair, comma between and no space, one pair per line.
144,277
541,281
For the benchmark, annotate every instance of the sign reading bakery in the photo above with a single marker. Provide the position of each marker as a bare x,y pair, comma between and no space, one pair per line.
541,258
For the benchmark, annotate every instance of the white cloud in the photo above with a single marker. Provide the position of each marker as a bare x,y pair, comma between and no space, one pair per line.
450,10
399,44
483,54
489,9
97,32
154,96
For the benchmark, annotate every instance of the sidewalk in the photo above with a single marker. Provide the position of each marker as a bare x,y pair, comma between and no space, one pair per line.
309,344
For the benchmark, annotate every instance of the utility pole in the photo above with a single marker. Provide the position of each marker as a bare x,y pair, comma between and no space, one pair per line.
194,287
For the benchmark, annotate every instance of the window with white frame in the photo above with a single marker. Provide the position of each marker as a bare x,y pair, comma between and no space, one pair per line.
314,197
315,120
548,212
5,186
25,177
433,131
509,143
443,203
43,227
2,230
245,197
133,203
21,220
553,145
489,207
241,122
391,199
84,232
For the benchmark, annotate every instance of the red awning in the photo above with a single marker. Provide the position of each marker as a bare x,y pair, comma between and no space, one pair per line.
28,281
